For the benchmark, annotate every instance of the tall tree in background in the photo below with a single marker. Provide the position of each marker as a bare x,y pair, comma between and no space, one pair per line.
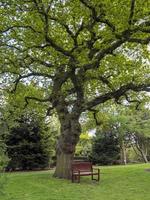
82,53
121,121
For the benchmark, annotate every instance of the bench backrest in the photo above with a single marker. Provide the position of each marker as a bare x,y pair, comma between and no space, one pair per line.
82,166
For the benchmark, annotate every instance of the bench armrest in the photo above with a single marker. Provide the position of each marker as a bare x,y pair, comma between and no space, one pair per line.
98,170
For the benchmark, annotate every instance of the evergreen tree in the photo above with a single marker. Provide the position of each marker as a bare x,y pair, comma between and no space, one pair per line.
29,134
27,145
105,149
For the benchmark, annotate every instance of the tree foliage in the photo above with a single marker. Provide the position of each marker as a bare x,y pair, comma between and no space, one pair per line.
82,54
78,48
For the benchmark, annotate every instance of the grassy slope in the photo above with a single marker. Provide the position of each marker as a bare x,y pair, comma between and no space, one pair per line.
117,183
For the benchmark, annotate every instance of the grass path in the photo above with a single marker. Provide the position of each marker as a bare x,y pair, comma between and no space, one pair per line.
130,182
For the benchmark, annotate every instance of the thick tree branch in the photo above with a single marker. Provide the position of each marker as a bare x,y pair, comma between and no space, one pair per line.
71,34
131,12
116,94
57,47
99,56
29,75
78,85
96,17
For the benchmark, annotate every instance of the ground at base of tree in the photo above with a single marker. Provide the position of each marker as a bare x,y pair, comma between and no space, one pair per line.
117,183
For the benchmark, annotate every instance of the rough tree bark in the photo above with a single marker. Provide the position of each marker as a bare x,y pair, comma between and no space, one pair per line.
70,132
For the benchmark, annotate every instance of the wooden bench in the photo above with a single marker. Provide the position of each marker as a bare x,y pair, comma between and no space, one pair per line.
84,169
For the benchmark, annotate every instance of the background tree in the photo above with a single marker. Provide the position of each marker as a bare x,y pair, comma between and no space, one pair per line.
31,137
82,53
131,126
84,146
27,144
105,148
141,145
121,122
138,131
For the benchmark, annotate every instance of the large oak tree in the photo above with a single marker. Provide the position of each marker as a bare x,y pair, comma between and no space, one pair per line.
83,53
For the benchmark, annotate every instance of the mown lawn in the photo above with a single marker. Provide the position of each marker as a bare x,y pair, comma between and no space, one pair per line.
117,183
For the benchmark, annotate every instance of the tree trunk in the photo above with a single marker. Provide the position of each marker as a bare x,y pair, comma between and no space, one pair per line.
144,156
140,148
63,165
70,132
123,153
124,156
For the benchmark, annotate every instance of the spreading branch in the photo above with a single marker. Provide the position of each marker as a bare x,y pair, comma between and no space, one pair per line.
33,74
116,94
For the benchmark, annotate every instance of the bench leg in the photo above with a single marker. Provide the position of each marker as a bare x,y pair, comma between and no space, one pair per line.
72,178
76,178
96,179
98,176
79,179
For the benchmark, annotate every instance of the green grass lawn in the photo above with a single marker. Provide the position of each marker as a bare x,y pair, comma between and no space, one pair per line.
130,182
